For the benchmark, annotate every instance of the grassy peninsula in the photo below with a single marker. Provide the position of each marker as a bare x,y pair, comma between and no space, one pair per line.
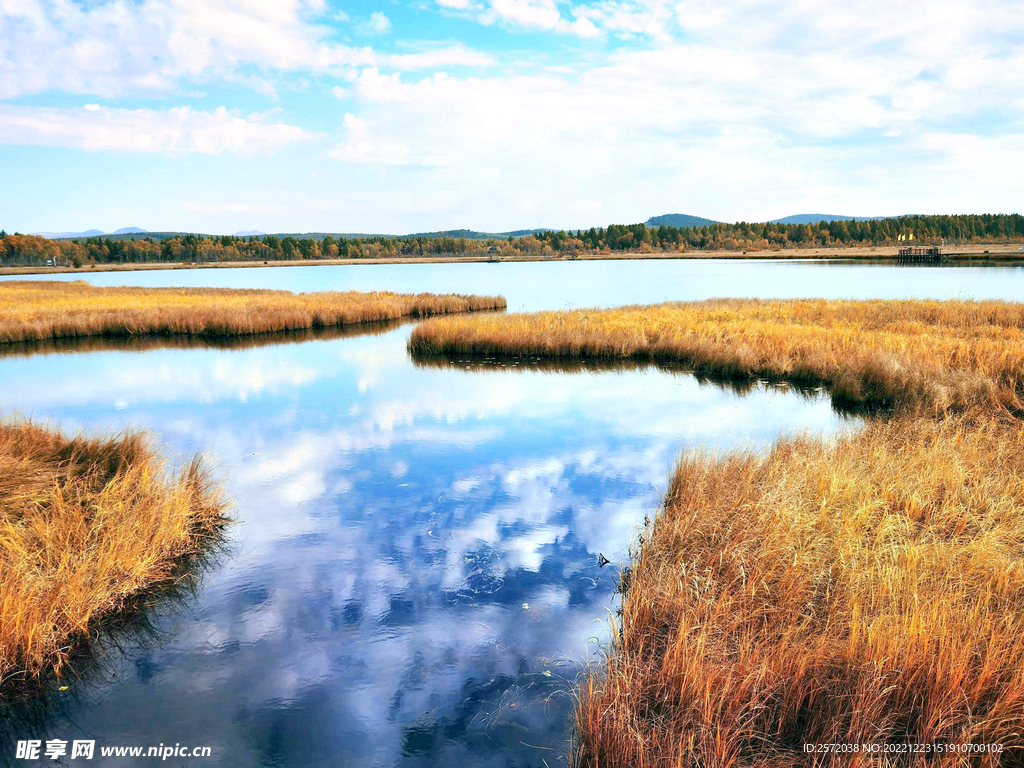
86,525
934,355
863,590
42,310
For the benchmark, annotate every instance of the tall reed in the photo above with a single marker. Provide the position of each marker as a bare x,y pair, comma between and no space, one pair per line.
39,310
861,591
86,524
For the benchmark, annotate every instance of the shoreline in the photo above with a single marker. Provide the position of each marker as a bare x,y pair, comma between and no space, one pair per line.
858,590
994,252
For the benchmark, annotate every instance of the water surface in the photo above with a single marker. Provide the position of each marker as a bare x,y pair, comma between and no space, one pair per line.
414,576
559,284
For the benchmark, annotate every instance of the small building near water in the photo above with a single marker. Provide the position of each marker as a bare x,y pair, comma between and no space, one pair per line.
915,254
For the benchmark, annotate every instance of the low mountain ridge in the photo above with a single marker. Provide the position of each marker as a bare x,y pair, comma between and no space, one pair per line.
814,218
91,233
678,220
69,235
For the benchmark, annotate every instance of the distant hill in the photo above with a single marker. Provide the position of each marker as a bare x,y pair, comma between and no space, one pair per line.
686,220
466,234
134,233
90,233
471,234
668,219
679,220
68,235
814,218
521,232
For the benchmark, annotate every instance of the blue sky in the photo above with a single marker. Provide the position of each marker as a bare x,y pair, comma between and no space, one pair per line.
380,116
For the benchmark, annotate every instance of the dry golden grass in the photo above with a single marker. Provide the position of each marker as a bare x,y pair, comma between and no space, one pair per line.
868,590
144,343
38,310
863,590
935,355
85,525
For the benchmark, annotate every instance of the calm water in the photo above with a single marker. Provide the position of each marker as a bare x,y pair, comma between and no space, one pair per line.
413,578
556,285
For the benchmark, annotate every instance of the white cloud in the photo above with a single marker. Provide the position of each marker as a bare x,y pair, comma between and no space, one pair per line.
809,23
178,130
377,24
362,146
521,14
742,108
455,55
260,85
761,109
628,19
112,47
538,14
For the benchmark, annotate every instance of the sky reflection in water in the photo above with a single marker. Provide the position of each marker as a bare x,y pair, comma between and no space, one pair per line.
413,577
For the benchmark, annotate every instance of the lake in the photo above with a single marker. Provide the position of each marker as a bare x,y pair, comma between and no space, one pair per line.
560,284
414,577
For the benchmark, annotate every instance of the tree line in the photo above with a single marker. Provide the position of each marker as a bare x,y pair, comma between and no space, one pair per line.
30,250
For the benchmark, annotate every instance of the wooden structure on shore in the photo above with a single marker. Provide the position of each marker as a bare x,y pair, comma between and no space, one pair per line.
913,255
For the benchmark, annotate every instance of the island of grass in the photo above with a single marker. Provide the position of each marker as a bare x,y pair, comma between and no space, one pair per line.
46,310
865,590
87,526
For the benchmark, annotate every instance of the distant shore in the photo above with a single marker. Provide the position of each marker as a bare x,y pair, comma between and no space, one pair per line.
1003,251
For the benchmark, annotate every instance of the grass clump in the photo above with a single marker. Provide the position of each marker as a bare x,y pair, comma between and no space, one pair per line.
933,356
865,590
86,525
40,310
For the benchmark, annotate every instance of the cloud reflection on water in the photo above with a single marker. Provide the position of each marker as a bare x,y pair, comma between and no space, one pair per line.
414,571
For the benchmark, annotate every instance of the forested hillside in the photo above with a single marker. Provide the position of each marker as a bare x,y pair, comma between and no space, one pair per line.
29,250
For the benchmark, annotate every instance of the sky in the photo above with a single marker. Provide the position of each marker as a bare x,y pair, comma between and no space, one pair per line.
392,117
